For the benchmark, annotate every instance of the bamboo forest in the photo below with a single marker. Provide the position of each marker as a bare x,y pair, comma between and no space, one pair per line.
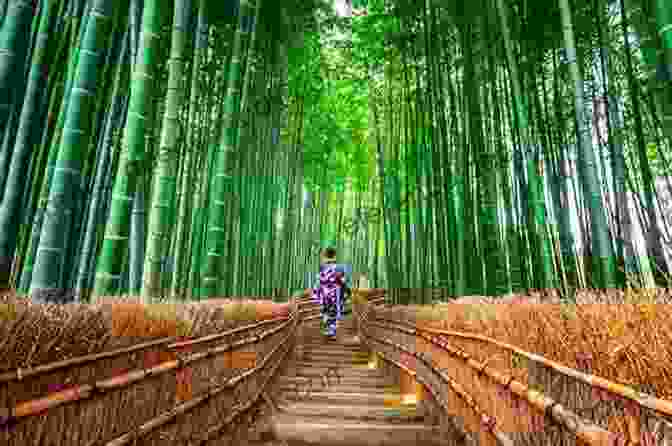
335,222
195,148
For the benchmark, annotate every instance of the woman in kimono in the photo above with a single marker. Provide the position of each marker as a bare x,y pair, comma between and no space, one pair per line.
328,291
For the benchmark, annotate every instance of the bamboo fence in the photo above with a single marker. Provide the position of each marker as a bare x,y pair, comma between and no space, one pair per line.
487,390
164,391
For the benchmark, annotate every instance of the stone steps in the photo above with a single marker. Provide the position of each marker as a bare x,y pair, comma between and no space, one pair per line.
360,381
350,412
331,431
348,404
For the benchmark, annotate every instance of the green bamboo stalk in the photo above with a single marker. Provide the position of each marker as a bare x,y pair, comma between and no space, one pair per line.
11,206
87,256
603,260
536,202
212,272
14,35
163,197
179,284
49,262
117,231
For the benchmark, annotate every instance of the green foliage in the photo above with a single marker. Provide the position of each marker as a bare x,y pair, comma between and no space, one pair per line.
370,34
335,96
657,165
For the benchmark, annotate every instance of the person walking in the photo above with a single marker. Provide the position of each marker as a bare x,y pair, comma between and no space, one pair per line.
328,291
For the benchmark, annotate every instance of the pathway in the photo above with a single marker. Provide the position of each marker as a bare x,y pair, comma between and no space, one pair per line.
330,397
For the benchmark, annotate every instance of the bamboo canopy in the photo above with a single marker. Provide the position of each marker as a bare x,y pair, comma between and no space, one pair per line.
193,149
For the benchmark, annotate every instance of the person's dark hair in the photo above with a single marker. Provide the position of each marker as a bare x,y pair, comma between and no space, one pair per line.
330,252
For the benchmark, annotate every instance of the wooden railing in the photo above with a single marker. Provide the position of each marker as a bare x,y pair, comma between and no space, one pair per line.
161,391
479,384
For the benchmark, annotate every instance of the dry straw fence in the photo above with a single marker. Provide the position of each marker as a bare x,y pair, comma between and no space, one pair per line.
494,393
209,381
169,390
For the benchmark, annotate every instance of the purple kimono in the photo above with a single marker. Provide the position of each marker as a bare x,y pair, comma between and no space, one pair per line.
328,294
